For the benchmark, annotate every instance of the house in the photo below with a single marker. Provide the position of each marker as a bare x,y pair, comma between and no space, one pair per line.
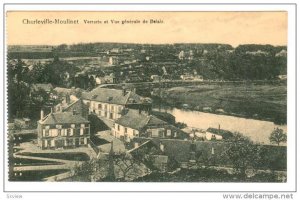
154,157
22,123
110,103
136,123
113,60
63,130
189,152
105,79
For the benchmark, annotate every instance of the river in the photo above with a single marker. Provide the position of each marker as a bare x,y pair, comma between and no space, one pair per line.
258,130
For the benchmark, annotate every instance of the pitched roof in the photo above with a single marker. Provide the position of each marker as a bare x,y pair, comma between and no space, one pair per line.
76,104
63,118
180,149
134,119
112,96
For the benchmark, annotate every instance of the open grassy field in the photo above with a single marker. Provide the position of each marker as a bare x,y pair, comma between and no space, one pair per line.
251,100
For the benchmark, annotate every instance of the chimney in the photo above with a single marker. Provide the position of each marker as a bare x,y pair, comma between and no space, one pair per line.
42,114
67,99
219,129
162,147
74,111
123,90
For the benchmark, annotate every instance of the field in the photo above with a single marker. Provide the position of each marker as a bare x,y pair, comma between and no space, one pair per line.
257,101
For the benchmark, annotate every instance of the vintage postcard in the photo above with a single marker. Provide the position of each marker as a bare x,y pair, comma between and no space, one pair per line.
147,96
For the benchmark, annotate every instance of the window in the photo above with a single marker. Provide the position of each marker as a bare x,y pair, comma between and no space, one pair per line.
58,126
99,106
71,131
47,132
135,133
118,127
155,133
47,127
82,125
72,125
125,130
81,131
81,140
64,132
70,142
175,134
168,132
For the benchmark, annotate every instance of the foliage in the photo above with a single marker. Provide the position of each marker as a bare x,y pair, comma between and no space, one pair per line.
278,136
114,167
242,153
180,125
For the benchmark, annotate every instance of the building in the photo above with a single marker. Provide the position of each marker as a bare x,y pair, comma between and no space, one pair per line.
113,60
136,123
191,77
63,130
110,103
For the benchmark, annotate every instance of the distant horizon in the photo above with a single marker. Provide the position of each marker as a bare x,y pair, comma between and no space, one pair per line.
145,44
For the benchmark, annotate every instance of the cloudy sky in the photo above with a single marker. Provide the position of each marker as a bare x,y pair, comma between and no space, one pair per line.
178,27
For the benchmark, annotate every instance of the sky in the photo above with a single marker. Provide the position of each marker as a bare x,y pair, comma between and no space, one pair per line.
178,27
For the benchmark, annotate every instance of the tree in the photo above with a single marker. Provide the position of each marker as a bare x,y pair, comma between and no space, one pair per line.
114,166
242,153
278,136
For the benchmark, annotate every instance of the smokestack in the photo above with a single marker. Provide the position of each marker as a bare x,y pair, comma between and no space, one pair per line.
219,129
42,114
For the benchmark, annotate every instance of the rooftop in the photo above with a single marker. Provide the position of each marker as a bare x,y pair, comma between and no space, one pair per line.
63,118
113,96
138,120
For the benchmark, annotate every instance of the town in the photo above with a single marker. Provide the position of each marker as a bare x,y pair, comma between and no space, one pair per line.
114,112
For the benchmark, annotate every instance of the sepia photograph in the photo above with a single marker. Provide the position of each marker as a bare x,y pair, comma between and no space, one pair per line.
143,96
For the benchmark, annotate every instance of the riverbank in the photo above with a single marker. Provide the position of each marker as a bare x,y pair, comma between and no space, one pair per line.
248,100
